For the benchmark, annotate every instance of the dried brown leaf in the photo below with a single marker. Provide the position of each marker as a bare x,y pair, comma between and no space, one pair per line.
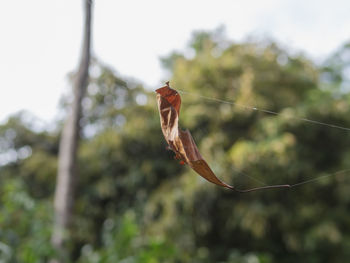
182,143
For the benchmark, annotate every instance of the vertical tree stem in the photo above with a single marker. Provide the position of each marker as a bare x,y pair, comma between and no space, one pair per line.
67,167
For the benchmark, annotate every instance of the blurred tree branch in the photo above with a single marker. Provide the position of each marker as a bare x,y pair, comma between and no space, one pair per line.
67,170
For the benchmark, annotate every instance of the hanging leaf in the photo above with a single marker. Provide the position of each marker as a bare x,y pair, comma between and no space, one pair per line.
182,143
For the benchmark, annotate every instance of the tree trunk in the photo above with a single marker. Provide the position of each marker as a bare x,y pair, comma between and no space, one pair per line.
67,170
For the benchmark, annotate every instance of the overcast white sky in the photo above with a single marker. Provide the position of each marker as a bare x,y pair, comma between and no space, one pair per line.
40,39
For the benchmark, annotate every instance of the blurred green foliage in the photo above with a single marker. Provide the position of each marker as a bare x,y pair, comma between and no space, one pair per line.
134,203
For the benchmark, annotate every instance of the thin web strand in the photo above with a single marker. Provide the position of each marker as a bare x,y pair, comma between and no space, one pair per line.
296,184
320,177
250,177
276,113
266,111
